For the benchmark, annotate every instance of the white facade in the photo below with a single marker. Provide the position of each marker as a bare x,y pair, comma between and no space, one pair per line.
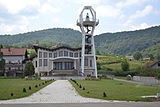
63,61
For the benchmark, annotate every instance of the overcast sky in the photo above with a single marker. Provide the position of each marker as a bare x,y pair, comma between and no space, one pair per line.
19,16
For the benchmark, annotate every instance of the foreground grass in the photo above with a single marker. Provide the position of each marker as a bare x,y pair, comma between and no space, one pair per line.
115,90
15,86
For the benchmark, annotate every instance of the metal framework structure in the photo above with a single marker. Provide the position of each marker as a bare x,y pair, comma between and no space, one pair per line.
87,25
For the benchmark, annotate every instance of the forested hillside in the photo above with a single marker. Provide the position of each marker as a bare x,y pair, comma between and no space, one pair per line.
117,43
45,37
128,42
153,50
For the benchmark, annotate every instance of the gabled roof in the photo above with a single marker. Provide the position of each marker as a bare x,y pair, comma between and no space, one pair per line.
150,64
57,48
13,51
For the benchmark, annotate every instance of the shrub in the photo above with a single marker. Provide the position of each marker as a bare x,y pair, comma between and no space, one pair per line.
104,94
30,88
24,90
36,86
87,92
39,84
11,94
83,88
42,83
125,65
80,86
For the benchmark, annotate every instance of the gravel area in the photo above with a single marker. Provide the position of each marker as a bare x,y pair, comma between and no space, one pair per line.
60,91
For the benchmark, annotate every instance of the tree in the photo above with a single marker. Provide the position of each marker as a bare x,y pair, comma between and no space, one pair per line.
151,56
2,64
29,69
125,65
137,56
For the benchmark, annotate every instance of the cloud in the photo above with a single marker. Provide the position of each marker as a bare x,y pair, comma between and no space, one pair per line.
141,26
15,6
126,3
88,2
46,8
139,14
108,11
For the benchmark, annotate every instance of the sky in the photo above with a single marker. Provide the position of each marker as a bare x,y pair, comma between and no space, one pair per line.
20,16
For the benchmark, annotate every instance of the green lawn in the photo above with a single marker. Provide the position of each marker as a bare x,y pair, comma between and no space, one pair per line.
115,90
15,86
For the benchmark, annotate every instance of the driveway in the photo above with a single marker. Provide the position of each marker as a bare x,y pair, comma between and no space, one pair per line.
60,91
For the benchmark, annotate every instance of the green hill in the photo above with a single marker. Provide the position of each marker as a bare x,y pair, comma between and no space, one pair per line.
117,43
128,42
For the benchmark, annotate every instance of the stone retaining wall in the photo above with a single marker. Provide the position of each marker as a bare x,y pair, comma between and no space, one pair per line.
146,80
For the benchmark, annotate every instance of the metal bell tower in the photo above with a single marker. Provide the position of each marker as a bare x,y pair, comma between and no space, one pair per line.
87,22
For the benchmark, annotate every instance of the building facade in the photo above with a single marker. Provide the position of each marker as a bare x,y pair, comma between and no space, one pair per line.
14,58
61,61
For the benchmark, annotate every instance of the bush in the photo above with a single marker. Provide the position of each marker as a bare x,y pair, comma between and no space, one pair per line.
11,94
104,94
36,86
42,83
29,88
80,86
24,90
83,88
125,65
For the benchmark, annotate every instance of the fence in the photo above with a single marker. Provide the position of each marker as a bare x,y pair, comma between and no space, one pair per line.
146,80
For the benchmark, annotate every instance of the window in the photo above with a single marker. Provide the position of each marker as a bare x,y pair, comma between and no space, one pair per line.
50,55
75,54
45,55
71,54
65,53
40,62
91,63
68,65
85,61
60,53
58,66
55,55
40,54
36,64
45,62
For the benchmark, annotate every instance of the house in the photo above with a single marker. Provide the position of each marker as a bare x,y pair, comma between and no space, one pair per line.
61,61
14,57
155,64
146,59
129,57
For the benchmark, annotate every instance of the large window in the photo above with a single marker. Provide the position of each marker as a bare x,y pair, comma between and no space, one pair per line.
68,65
50,55
55,55
40,62
60,53
85,61
58,66
45,62
65,53
71,54
76,54
45,55
40,54
63,65
91,63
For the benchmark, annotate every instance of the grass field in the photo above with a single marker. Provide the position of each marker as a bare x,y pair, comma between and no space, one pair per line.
115,90
15,86
104,60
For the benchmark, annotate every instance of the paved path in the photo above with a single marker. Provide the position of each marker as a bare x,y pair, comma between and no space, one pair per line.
60,91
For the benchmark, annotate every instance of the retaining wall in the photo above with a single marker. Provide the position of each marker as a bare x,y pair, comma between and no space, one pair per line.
146,80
